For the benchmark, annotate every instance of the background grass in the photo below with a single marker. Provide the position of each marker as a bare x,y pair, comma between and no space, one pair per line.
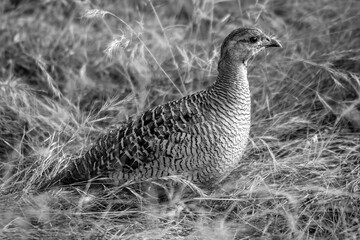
69,71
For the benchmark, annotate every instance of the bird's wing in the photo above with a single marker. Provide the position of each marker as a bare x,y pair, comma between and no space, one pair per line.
145,138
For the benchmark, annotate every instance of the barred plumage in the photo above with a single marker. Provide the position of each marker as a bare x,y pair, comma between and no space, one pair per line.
200,136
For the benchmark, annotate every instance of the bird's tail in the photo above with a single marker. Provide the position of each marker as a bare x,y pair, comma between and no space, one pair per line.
84,168
75,172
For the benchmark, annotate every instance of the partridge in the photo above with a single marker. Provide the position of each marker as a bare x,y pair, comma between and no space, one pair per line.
200,136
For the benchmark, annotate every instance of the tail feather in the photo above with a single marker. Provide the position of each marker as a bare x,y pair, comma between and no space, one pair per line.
76,172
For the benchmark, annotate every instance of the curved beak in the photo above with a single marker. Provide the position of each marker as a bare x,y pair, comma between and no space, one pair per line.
271,42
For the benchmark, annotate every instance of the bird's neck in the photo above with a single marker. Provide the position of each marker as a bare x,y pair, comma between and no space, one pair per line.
232,81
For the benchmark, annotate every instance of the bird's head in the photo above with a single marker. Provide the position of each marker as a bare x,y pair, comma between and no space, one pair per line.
243,43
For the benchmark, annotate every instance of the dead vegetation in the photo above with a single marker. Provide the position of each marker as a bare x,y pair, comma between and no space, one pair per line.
70,70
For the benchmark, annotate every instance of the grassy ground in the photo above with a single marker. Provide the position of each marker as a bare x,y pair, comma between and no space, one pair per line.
69,71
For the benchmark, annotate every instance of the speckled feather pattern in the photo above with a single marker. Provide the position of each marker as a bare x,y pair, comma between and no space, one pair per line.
200,137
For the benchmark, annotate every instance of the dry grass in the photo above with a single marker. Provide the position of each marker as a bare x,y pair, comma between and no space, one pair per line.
69,70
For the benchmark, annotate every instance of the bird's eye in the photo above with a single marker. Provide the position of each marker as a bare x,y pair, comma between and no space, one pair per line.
253,39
